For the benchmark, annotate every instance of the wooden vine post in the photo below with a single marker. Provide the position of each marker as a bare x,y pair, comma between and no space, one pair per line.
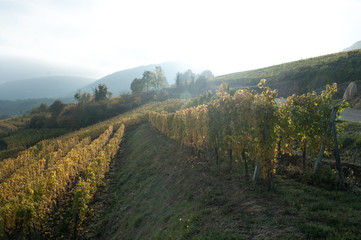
332,125
76,221
337,156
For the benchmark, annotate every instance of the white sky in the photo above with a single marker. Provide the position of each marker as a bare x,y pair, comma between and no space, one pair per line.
224,36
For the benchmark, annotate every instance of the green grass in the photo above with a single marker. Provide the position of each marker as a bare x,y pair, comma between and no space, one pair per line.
29,137
321,214
350,141
308,74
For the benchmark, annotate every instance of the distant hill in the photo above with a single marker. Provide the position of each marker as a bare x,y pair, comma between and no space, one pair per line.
18,68
354,46
119,82
301,76
20,107
43,87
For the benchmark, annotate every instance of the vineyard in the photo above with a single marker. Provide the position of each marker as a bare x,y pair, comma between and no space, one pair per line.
32,183
243,130
253,128
155,190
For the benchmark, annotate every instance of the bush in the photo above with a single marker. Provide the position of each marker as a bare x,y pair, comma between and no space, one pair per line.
326,177
358,141
3,144
347,140
38,121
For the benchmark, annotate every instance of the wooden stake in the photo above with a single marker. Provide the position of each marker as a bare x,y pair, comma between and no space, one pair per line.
338,159
322,148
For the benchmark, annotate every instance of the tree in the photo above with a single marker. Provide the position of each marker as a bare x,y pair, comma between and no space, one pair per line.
56,108
42,108
201,83
178,80
101,92
185,78
38,121
83,97
206,74
148,77
189,77
159,80
138,85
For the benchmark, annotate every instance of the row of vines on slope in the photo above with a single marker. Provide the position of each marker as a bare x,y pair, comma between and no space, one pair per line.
28,195
251,124
93,177
32,183
53,149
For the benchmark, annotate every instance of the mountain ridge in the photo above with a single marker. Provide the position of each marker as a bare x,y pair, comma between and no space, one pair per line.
19,68
355,46
41,87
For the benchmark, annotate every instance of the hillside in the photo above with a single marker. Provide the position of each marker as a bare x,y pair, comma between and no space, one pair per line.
43,87
303,75
355,46
22,106
119,82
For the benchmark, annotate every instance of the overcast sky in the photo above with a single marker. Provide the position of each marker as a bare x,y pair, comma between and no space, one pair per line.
223,36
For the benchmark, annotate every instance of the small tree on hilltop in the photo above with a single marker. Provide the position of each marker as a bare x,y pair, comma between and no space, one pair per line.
148,77
178,80
138,85
83,97
159,80
56,108
101,93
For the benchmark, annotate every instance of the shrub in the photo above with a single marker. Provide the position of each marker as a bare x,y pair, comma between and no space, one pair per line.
358,141
347,140
326,177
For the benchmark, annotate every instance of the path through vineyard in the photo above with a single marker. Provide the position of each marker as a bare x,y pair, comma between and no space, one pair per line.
154,191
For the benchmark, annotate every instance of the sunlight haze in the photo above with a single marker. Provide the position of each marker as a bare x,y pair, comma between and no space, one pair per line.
223,36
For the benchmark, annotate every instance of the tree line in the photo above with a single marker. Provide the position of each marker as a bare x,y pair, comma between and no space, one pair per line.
156,80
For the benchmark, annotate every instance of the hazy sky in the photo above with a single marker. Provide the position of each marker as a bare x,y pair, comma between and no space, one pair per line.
224,36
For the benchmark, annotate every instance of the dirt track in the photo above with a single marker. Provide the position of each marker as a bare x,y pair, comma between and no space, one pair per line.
351,115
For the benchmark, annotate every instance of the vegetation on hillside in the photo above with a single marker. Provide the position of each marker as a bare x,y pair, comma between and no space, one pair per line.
189,85
301,76
90,109
33,183
52,121
21,107
120,82
150,81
